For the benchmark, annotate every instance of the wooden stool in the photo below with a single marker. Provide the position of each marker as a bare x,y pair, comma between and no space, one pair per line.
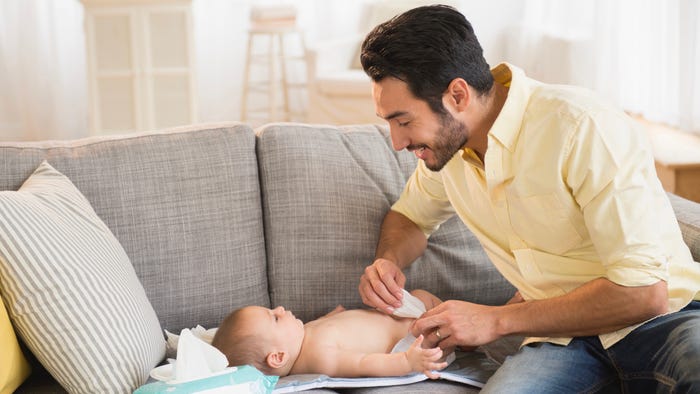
275,59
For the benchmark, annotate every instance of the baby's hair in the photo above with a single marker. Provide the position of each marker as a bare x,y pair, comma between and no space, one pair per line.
240,345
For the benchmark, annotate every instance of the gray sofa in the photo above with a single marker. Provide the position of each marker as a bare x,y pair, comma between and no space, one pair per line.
216,217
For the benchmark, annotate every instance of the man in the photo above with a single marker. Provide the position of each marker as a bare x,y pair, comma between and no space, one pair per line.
562,193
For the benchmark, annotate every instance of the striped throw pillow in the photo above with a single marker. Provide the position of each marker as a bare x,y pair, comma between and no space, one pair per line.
71,291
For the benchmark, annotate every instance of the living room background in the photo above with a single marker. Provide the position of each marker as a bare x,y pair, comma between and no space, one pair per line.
643,54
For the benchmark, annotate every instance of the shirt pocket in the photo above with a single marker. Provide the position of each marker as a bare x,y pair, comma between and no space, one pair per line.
543,223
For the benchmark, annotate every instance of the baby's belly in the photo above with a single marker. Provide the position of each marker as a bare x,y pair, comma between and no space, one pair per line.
363,330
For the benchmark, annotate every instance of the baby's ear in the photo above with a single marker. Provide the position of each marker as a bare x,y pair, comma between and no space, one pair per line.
276,359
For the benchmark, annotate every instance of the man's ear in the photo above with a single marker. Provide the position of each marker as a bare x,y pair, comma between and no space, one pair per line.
276,359
457,95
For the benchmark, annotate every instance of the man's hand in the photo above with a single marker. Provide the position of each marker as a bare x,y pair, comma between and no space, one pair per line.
381,284
597,307
425,360
458,324
400,243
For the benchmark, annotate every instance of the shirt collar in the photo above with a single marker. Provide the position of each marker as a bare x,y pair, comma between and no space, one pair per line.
506,128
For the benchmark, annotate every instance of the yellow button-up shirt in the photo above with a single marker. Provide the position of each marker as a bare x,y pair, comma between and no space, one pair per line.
567,193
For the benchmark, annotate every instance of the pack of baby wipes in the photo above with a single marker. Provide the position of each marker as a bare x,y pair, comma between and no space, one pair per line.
201,368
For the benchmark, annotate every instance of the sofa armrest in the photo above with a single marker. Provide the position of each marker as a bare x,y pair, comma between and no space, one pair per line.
339,91
333,55
688,215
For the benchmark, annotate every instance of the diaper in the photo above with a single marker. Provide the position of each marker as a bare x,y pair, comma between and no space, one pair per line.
411,306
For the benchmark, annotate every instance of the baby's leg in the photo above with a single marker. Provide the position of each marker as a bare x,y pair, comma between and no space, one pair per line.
429,300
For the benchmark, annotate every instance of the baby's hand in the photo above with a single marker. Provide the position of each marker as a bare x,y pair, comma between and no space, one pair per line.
425,360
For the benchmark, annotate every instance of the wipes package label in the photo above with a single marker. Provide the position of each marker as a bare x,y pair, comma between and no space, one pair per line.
245,379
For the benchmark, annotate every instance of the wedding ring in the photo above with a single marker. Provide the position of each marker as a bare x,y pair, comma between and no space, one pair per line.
437,334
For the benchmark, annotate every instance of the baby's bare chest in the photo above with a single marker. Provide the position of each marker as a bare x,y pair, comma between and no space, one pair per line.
364,331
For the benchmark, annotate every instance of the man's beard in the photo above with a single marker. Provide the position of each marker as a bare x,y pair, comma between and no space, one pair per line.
452,137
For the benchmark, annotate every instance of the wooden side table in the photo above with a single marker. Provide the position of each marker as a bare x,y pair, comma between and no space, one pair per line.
677,159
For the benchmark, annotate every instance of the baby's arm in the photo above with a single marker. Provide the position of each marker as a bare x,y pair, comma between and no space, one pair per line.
416,359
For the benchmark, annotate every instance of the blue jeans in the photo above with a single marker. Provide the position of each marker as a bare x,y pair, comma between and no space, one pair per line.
661,356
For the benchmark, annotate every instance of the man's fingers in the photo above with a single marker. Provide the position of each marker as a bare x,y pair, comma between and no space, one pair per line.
392,280
387,297
380,284
424,324
370,298
448,343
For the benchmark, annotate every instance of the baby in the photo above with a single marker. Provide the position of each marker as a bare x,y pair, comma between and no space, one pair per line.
343,343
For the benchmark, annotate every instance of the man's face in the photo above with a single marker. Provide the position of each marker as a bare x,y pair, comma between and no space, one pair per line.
433,138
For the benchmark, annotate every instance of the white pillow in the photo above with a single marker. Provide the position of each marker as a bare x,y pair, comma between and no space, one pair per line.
71,291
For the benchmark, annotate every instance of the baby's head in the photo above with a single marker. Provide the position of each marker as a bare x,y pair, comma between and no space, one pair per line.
268,339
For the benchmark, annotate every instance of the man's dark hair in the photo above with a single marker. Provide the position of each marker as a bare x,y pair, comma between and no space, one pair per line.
427,47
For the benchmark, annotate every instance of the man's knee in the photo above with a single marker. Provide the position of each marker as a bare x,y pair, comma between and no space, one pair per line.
682,349
549,368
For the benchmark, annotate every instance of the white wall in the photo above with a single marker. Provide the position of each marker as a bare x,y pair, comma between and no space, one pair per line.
221,38
57,107
492,20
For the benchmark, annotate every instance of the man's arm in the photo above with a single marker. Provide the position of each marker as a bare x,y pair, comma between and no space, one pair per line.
400,240
597,307
400,243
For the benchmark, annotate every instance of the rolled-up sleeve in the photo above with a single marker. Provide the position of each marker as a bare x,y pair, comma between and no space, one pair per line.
615,184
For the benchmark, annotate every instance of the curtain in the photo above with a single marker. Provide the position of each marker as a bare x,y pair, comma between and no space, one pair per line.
43,89
642,54
689,74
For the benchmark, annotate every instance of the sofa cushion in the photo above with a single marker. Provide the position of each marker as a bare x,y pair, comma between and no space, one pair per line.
14,366
71,290
323,214
184,204
688,215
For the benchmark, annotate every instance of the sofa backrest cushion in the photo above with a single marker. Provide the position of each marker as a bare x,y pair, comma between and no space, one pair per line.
688,215
184,204
323,214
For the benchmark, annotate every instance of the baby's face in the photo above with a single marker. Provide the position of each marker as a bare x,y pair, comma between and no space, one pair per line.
278,325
